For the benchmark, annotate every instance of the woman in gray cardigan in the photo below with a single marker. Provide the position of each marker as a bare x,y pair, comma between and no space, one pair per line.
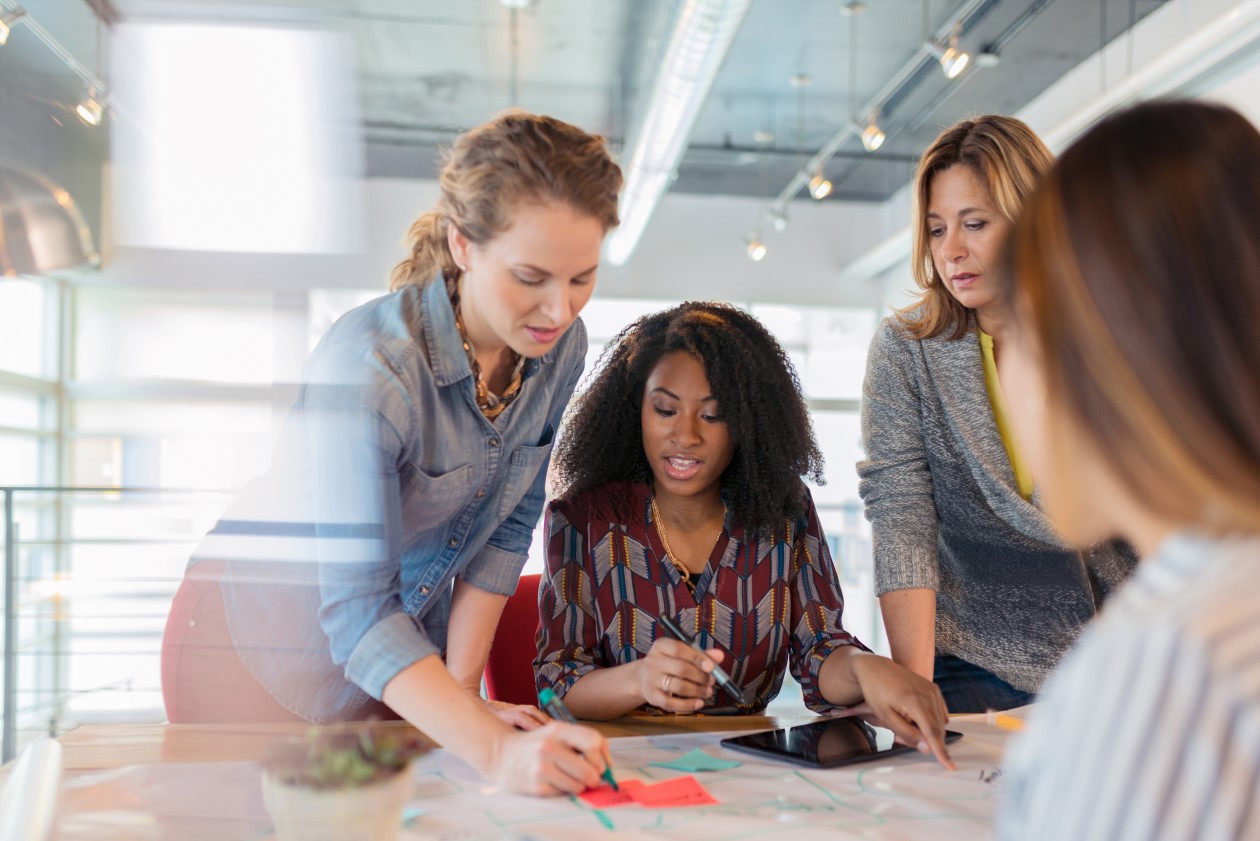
977,590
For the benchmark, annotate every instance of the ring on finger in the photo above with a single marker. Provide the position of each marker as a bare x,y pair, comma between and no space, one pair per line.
665,683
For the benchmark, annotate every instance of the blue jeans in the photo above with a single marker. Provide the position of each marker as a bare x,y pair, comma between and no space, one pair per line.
970,689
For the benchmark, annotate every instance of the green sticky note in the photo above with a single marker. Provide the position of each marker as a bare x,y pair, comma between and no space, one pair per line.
698,760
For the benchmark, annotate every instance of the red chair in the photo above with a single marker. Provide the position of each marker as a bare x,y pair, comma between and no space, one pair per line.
510,669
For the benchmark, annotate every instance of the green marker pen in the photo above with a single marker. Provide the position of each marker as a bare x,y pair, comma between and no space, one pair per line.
551,702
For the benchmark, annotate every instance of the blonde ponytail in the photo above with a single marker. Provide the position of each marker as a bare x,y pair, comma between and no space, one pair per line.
430,254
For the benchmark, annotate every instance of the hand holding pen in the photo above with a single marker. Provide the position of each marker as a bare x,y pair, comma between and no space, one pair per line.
679,676
551,702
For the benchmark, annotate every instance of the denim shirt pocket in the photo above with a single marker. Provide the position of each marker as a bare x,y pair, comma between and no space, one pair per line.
522,470
437,497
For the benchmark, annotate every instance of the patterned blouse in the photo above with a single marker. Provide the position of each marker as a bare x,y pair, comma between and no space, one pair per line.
766,603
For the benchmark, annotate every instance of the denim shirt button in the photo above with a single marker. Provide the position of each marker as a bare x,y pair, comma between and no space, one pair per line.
452,543
494,442
424,590
481,492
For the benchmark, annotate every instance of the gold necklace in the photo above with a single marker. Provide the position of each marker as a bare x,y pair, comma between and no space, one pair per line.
491,405
669,552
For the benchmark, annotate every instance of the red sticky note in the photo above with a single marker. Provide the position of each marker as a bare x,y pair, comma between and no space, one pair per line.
604,796
680,791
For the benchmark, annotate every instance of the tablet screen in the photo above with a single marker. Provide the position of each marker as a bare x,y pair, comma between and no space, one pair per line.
825,743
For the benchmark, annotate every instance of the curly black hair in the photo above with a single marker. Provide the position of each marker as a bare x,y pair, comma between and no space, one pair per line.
756,387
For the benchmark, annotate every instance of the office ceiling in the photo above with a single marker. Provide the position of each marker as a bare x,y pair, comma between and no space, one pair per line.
429,68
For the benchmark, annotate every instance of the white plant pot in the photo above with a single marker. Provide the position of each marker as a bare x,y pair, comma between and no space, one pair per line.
367,813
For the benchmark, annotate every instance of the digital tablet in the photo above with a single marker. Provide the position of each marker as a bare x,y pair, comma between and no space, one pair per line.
826,743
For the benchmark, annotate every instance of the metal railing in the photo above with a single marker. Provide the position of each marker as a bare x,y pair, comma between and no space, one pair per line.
80,564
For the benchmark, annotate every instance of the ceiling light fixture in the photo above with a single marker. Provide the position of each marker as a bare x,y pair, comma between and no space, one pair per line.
91,109
905,79
873,136
988,57
778,219
755,248
7,20
953,59
517,4
700,40
41,228
819,187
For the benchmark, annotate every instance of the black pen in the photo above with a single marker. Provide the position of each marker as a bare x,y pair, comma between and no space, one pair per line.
551,702
719,674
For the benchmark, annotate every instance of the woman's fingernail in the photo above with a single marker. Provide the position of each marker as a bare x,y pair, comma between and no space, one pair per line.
922,747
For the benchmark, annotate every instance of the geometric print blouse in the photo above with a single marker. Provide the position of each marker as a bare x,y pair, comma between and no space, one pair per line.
767,603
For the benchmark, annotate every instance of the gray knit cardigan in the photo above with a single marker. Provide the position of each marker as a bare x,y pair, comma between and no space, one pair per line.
946,514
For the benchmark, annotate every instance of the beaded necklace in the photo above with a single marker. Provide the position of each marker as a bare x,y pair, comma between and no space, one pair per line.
491,405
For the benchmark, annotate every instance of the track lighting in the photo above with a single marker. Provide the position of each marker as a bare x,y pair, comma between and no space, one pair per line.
778,219
873,136
953,59
755,247
91,108
819,187
6,22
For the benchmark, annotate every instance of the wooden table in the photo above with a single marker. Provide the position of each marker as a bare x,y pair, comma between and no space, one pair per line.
100,746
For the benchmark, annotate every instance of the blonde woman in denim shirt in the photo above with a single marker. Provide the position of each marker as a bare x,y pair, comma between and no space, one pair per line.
365,574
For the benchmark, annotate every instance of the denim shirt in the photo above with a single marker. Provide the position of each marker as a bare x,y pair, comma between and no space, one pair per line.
387,484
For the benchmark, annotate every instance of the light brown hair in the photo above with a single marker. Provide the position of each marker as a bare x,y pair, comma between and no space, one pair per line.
1135,271
516,158
1009,159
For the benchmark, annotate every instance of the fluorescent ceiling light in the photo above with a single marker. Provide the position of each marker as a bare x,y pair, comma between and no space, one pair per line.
698,45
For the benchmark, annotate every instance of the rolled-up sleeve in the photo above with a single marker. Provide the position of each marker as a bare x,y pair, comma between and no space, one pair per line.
567,629
817,611
895,480
357,419
388,647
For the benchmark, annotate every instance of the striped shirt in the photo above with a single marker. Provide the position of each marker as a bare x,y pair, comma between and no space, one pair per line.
1151,728
764,602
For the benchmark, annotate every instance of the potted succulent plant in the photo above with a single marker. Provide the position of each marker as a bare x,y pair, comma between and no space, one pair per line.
339,784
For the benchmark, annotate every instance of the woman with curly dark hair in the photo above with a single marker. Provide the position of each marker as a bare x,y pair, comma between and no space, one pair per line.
681,496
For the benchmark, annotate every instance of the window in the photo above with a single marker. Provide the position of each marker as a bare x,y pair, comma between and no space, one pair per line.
28,322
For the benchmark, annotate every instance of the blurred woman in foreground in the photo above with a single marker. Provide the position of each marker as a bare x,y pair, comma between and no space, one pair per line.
1134,272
